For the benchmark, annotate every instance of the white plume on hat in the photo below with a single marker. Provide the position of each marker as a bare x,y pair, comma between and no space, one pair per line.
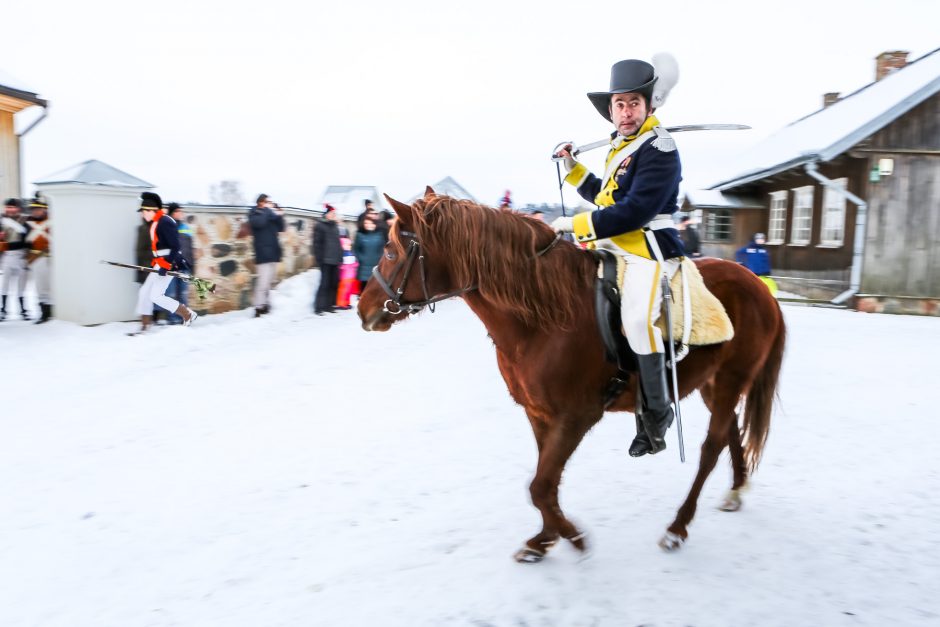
666,70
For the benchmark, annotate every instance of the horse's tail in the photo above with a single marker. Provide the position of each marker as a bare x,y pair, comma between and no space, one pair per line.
760,400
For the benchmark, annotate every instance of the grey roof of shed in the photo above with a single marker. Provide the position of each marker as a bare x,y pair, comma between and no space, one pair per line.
714,199
831,131
94,172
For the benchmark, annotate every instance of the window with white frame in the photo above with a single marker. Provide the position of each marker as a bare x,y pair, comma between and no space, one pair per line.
833,217
777,228
802,227
718,225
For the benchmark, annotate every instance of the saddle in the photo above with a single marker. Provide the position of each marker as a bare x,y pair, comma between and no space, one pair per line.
709,320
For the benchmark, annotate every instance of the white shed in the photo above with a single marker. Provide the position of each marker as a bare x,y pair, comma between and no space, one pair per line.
93,217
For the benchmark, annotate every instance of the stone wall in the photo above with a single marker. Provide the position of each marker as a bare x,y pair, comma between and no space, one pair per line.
223,252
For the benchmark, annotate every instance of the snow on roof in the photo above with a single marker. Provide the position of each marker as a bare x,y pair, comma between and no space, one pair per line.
349,200
831,131
714,199
447,186
94,172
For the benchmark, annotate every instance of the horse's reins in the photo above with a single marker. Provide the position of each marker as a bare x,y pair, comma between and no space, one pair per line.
405,266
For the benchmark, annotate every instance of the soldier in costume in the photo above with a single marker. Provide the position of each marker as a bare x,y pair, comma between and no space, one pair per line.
13,229
165,248
38,240
636,198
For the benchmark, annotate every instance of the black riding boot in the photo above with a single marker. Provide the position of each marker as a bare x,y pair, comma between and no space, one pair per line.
657,414
3,309
23,313
46,309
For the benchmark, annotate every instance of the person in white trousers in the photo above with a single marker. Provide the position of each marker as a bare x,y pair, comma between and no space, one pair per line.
13,262
38,241
636,198
165,247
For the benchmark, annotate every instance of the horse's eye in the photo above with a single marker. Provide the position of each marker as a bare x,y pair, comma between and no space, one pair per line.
390,256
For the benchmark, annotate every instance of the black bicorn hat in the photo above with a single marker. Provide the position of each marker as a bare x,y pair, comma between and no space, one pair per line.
38,203
629,76
149,200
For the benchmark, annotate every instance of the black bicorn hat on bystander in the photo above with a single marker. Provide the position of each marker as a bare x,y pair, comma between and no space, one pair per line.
150,201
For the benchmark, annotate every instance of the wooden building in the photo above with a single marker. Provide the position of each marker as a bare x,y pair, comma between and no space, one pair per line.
848,197
14,97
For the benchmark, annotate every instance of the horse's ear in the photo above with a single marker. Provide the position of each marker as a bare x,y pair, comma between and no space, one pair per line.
403,211
429,193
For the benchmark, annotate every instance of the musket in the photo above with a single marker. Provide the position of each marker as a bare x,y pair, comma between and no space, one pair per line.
203,286
576,150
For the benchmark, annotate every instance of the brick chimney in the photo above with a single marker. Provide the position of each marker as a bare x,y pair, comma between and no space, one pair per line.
830,99
887,62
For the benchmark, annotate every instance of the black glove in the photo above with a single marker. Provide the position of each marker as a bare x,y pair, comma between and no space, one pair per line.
161,271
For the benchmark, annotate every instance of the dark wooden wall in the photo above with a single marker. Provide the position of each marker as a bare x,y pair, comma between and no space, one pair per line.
918,129
902,246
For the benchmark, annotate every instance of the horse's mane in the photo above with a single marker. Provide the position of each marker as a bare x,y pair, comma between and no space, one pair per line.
495,249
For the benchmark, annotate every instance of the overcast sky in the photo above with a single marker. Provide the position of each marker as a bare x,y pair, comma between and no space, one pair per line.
290,97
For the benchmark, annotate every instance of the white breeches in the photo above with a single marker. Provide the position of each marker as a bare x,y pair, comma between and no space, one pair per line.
153,292
13,264
642,300
41,269
266,272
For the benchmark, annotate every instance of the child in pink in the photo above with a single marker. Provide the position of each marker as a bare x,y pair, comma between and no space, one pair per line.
347,275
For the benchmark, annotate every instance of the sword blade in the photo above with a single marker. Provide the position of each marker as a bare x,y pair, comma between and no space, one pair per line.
672,129
671,348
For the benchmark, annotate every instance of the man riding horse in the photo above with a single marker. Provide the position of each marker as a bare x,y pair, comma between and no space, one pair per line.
636,198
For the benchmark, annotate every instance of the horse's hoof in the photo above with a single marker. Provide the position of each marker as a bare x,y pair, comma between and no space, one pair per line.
528,555
732,502
671,542
579,542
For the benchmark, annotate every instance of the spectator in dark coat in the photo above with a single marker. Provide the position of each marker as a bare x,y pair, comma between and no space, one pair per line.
266,220
328,252
179,289
754,256
379,217
368,250
144,255
689,236
145,258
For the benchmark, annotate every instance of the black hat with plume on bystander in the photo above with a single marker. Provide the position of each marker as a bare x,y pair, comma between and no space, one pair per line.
150,201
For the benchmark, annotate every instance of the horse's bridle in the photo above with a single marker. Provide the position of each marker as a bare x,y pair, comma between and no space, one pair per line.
405,266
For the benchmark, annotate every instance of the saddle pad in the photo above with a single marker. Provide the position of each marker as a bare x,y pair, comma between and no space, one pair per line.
710,321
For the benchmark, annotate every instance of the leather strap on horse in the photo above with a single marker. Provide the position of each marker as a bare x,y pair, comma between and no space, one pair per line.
607,313
413,254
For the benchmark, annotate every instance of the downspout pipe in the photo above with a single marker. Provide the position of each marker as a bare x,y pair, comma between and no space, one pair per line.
858,250
19,148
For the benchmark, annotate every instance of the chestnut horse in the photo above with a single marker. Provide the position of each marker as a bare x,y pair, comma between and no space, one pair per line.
534,294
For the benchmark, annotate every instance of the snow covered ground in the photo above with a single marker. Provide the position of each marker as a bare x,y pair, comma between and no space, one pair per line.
295,470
